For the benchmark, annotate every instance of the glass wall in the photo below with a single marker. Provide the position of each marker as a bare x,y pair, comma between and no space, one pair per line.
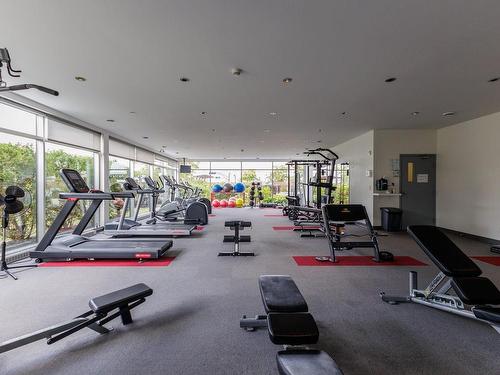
34,147
271,174
119,170
18,167
58,157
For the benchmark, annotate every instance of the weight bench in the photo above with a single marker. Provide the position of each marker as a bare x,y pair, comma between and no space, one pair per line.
290,324
103,309
279,294
292,329
339,217
237,226
458,273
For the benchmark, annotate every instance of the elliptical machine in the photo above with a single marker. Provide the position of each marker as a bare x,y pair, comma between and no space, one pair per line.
192,213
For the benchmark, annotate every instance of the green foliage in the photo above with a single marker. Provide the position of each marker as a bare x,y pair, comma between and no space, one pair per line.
18,167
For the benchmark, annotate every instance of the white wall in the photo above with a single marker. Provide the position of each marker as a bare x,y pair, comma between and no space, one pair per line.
389,144
358,152
468,177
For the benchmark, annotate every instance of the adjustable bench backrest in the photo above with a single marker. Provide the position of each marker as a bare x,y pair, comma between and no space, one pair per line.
238,223
345,212
443,252
281,294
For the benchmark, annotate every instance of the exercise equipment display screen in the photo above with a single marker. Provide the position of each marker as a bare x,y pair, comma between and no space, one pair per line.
75,180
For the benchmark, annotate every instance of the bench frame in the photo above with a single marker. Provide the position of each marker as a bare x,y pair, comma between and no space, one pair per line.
238,225
435,295
89,319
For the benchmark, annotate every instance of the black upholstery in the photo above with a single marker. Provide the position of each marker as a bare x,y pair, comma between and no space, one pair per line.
306,362
344,212
292,328
119,298
238,223
476,290
281,294
491,314
443,252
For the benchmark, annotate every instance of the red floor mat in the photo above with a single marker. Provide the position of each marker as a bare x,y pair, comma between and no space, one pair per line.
295,227
162,262
212,215
494,261
357,260
199,227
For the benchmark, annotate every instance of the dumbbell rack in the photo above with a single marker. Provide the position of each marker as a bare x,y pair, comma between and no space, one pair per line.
237,225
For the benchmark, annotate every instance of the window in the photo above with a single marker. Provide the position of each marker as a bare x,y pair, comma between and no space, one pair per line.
119,169
57,157
140,171
18,167
16,119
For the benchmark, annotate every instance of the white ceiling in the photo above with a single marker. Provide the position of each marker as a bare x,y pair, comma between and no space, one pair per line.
338,52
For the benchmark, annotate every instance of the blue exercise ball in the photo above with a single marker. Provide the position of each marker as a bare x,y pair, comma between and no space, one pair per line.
239,187
216,188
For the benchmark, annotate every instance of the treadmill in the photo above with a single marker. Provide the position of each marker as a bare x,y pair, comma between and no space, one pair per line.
126,228
75,245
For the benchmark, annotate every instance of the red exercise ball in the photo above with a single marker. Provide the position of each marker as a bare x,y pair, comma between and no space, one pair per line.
223,203
215,203
232,204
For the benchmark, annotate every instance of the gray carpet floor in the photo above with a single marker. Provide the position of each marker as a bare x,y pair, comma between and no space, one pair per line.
190,325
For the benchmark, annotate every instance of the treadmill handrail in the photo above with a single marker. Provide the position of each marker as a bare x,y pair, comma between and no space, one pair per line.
86,196
123,194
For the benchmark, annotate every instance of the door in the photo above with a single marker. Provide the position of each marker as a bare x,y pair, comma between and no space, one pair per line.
418,189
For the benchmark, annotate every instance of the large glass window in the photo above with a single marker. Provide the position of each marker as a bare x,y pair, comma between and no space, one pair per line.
16,119
57,157
119,170
18,167
140,171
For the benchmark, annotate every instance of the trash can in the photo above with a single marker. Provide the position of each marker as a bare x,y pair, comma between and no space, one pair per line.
391,218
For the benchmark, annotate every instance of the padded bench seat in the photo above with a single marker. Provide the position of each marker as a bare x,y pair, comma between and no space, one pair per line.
488,313
306,362
119,298
292,328
238,223
476,290
281,294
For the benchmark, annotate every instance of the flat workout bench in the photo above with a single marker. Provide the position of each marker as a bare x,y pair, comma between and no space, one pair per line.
122,301
458,273
279,294
237,226
290,324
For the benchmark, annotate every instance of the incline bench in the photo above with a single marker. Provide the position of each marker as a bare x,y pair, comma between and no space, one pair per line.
103,309
290,324
458,273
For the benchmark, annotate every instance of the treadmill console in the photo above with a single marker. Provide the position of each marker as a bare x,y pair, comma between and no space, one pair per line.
74,181
132,184
149,181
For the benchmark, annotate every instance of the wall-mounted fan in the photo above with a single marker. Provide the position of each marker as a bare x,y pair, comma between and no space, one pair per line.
15,201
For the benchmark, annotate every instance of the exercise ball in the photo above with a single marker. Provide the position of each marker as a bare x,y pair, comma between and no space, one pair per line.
239,187
223,203
216,188
239,202
232,204
227,188
215,203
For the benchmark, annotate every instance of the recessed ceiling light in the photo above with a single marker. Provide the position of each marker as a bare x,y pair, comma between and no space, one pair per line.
242,150
297,154
287,80
494,79
449,113
416,113
145,137
177,152
236,72
213,130
267,130
344,113
273,113
319,141
184,79
80,79
390,79
110,120
132,112
203,113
